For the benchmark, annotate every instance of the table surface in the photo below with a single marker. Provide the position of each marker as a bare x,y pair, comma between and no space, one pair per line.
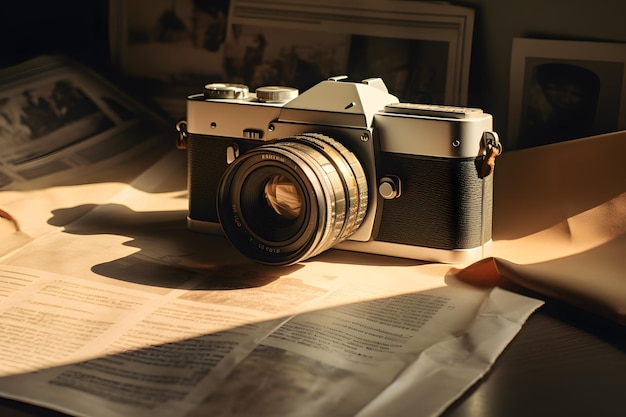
563,362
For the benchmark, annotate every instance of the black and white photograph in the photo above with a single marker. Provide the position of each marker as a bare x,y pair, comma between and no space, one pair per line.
413,70
57,108
169,40
57,123
174,47
260,56
563,90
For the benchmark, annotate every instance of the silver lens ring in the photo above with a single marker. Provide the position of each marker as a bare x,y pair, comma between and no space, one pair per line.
333,187
350,171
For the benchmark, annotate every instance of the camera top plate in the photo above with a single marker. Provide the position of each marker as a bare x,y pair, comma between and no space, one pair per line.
434,110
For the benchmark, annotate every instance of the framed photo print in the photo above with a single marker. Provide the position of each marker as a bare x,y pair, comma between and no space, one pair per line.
62,124
563,90
421,50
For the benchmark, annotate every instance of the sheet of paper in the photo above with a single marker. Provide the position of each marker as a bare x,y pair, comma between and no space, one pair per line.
560,228
103,349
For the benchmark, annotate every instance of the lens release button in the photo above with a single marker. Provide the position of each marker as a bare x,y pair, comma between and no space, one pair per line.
389,187
232,153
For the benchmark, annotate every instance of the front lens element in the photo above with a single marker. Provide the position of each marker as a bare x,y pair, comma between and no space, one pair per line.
268,203
283,196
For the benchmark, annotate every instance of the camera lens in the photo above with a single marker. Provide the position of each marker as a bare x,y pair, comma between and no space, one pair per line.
284,202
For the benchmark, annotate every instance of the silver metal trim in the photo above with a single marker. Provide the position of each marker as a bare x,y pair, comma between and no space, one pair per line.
446,256
204,227
396,250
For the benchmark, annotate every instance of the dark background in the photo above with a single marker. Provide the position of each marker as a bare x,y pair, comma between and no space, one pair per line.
80,28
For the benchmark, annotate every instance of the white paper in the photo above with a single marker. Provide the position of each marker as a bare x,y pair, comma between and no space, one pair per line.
95,349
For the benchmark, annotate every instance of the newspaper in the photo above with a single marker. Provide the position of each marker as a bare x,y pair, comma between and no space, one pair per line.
109,307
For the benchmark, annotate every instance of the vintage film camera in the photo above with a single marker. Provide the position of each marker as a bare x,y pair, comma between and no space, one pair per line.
342,165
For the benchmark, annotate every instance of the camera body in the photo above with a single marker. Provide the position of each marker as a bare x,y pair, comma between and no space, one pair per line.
343,165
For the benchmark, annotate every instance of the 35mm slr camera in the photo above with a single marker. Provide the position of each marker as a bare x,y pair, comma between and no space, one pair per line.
286,176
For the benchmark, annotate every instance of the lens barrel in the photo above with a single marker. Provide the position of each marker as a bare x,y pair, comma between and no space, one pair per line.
284,202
